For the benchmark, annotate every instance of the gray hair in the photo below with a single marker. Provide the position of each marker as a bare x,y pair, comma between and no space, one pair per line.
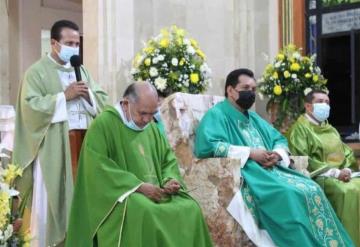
131,91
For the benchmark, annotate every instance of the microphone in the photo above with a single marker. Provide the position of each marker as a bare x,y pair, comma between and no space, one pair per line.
75,61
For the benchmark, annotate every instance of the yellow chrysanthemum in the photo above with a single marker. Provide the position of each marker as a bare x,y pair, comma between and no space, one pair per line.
308,75
164,42
200,53
287,74
275,75
315,78
182,61
295,67
268,68
11,173
280,56
194,43
277,90
147,61
164,32
149,50
136,59
194,78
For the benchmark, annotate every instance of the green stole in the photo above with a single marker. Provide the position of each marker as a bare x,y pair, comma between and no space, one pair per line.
323,145
114,161
291,207
36,136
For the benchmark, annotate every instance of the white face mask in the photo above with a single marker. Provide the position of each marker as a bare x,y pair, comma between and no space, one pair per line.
131,124
321,111
67,52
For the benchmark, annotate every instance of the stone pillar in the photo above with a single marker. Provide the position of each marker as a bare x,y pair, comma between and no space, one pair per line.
4,53
231,33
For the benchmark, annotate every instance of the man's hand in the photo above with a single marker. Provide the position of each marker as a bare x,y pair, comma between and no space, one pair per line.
345,175
77,89
152,192
172,187
264,158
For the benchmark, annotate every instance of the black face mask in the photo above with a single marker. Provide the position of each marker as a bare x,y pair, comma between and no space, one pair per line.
246,99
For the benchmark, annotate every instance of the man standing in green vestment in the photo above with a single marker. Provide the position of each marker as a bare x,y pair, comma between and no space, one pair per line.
129,191
331,162
276,206
51,104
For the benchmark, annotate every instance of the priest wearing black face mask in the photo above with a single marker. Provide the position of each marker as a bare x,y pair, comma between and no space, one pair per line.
230,129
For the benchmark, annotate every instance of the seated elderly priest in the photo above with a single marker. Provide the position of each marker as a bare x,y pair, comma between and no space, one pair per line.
276,206
332,163
129,191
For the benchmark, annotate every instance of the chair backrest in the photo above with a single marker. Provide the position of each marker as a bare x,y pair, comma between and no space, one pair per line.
181,113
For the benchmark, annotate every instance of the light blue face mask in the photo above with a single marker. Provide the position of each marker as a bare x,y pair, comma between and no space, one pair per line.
131,124
157,116
67,52
321,111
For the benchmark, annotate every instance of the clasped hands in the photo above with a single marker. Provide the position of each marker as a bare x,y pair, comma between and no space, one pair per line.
156,193
77,89
266,159
345,175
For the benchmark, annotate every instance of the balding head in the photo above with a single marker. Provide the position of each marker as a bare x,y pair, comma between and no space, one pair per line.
143,101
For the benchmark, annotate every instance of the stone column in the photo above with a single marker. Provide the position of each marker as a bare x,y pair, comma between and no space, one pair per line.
4,53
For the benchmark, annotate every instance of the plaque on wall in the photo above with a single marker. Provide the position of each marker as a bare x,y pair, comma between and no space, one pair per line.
341,21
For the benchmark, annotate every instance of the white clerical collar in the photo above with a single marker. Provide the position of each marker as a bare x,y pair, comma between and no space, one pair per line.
119,108
311,120
66,66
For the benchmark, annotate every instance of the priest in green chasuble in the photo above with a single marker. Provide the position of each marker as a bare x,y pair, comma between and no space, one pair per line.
51,104
276,206
331,162
129,191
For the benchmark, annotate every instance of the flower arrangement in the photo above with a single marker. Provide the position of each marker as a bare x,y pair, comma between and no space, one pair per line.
287,80
9,222
172,63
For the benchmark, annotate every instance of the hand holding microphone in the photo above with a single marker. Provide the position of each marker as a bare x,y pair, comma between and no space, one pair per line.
78,88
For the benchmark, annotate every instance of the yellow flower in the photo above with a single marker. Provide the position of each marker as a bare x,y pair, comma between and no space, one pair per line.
164,42
27,236
306,59
182,61
287,74
280,56
315,78
180,32
308,75
11,173
291,47
193,42
200,53
295,67
275,75
137,59
277,90
147,61
194,78
179,41
149,49
268,68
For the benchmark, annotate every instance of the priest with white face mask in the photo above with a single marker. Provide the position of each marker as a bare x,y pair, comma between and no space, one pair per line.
53,112
331,162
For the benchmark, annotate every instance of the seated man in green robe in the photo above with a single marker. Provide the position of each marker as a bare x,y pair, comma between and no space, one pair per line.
331,162
129,191
276,206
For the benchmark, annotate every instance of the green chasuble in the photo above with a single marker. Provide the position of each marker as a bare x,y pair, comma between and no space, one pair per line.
289,206
106,211
37,137
323,145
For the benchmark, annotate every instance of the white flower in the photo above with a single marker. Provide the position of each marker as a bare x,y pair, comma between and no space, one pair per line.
161,57
294,76
204,69
277,65
8,232
187,42
317,70
153,72
186,83
296,55
160,83
186,76
155,60
307,90
165,65
174,61
190,50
